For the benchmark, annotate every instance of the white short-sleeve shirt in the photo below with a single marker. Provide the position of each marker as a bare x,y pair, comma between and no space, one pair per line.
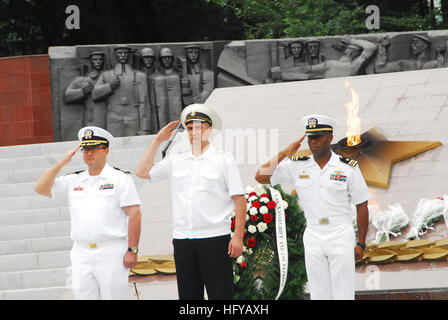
96,203
201,189
323,192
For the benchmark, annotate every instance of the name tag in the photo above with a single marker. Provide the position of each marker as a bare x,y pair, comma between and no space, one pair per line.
304,176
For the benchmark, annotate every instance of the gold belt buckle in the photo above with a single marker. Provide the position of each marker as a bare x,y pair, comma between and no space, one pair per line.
92,245
324,221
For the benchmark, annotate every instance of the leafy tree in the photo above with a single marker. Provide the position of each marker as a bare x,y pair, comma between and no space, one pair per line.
31,26
301,18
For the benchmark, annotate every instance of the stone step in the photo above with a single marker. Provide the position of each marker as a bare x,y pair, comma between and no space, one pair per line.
33,174
16,189
34,230
30,202
34,279
50,293
59,148
34,216
22,246
47,161
404,294
34,261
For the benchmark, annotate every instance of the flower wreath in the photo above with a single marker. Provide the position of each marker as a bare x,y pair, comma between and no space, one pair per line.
256,271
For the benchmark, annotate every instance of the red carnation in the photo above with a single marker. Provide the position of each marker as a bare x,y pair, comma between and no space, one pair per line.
257,204
264,195
252,194
253,218
251,242
267,217
232,226
243,264
271,204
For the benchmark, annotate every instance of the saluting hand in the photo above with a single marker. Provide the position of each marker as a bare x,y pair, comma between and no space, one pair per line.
293,147
167,131
69,155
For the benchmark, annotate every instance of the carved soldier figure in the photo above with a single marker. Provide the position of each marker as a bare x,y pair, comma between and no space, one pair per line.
293,57
167,89
197,81
356,53
148,59
79,91
313,55
126,93
420,46
296,51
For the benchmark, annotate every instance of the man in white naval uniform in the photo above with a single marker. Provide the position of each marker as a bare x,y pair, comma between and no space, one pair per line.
326,184
206,188
105,218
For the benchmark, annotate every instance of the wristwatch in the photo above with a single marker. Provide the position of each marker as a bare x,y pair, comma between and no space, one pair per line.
133,250
362,245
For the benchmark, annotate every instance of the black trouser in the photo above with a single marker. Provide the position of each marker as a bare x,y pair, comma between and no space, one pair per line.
202,262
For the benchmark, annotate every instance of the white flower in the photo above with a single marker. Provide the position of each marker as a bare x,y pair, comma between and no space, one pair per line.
259,189
247,217
250,251
240,259
284,204
253,198
253,211
244,248
264,210
252,229
264,199
249,205
233,214
249,189
262,226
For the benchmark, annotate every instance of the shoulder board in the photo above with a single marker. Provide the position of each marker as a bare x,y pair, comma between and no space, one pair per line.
348,161
299,158
122,170
75,172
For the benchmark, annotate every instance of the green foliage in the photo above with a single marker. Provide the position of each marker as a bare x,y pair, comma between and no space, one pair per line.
260,279
31,26
303,18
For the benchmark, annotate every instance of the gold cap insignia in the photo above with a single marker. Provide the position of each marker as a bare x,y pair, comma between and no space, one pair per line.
312,123
88,134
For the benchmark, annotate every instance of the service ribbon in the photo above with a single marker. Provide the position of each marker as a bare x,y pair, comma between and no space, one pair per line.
282,243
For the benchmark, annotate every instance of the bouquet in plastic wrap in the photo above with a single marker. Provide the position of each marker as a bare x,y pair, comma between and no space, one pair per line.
389,222
428,212
373,208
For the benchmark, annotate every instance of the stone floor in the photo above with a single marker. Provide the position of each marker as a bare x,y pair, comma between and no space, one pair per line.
425,280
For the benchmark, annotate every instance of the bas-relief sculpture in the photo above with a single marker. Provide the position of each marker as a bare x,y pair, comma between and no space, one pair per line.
146,86
420,56
166,89
328,57
125,91
79,91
